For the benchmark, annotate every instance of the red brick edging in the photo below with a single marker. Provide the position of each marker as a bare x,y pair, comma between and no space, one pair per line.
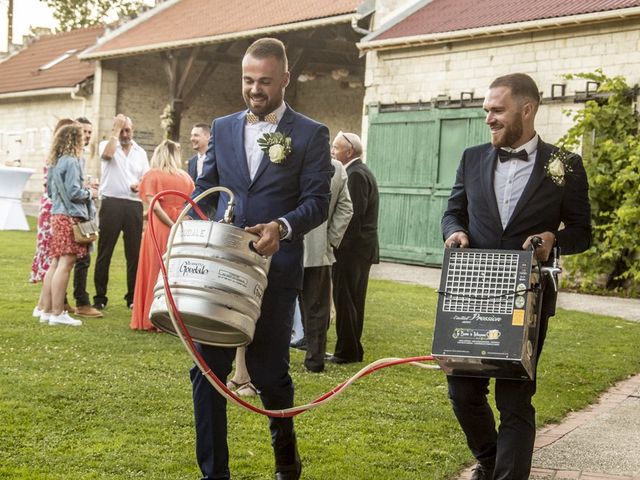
550,434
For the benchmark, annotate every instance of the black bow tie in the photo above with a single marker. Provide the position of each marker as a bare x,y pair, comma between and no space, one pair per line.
503,155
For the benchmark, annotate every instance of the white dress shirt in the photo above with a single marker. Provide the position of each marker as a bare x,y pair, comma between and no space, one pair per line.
122,171
252,133
200,163
511,177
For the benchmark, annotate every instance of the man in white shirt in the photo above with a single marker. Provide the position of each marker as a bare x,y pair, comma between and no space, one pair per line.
124,163
200,134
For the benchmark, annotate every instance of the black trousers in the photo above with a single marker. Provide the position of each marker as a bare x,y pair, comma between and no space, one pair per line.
80,274
315,303
118,215
510,447
350,281
267,359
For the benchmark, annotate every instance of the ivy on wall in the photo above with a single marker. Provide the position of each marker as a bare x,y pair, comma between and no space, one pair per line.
607,130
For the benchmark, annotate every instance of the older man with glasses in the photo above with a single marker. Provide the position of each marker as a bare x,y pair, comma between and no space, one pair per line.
357,251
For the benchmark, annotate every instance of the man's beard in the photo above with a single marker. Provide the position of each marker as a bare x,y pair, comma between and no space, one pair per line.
510,134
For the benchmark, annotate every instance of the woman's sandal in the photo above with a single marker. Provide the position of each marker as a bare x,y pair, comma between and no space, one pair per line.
245,389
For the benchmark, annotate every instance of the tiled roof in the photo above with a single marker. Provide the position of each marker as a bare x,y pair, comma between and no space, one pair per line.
198,19
22,72
439,16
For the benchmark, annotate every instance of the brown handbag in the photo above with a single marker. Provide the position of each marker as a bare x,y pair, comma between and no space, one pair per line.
83,232
86,232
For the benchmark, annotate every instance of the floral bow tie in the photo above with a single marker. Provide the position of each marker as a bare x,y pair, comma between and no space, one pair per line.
269,118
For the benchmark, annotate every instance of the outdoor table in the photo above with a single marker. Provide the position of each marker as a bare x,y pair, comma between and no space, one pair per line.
12,181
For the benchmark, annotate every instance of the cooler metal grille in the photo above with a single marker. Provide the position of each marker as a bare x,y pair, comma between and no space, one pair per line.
480,282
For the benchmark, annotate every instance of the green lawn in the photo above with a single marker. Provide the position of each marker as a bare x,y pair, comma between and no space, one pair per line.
103,402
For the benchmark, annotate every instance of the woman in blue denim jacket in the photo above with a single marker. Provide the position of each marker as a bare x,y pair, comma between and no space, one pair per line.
70,205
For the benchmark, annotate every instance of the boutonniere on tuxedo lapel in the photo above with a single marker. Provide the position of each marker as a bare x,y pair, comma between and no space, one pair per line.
558,165
276,145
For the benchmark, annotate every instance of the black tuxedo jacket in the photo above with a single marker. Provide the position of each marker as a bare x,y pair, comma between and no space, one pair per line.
361,236
543,206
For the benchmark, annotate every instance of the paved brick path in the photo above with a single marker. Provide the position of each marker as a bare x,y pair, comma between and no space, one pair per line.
549,435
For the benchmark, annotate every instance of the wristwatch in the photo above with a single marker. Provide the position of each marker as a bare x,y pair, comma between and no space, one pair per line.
283,230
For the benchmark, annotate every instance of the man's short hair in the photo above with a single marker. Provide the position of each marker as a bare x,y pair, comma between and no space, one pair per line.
205,127
521,85
84,120
269,47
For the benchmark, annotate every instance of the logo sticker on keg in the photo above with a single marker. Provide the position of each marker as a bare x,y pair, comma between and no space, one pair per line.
232,277
189,268
258,291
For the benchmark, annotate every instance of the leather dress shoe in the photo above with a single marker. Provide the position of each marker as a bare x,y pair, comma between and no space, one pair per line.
338,360
482,472
314,368
88,311
300,344
289,472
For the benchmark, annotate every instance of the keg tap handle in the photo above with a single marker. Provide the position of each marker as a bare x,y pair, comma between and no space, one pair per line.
554,269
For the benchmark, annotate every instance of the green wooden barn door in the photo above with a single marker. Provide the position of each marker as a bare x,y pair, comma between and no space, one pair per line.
414,156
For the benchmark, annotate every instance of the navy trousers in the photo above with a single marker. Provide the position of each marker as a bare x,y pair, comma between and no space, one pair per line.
510,447
267,359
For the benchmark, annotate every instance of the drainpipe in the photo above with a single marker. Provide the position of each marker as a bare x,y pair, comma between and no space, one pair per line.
75,96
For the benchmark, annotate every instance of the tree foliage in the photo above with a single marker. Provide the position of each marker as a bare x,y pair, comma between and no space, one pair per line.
607,130
71,14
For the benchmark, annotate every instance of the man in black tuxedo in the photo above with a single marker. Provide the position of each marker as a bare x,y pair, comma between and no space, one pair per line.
357,251
505,193
199,140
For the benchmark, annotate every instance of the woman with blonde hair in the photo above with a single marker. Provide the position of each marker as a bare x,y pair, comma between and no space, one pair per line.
165,174
69,205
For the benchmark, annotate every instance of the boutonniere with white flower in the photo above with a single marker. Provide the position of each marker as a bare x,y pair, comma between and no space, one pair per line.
558,165
276,145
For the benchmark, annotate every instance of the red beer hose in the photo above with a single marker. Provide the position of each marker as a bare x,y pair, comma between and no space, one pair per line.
184,335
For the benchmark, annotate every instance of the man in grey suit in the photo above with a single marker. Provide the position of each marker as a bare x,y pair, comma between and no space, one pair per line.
315,300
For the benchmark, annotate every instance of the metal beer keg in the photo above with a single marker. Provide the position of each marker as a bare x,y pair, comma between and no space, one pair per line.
217,280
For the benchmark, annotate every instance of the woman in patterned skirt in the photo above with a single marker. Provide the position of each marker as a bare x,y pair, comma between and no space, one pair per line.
41,261
69,201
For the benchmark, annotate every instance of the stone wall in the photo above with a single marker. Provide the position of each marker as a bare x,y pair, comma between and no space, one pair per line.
142,94
421,73
26,130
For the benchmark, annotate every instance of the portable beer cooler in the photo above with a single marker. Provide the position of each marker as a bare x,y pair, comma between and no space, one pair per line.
488,310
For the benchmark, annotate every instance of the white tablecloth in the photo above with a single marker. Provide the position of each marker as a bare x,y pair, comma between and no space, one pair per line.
12,182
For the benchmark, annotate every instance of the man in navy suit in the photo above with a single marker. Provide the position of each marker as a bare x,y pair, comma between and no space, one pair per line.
199,140
505,193
279,199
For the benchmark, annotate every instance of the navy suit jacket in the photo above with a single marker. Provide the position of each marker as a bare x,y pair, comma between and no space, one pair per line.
297,189
543,206
192,167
